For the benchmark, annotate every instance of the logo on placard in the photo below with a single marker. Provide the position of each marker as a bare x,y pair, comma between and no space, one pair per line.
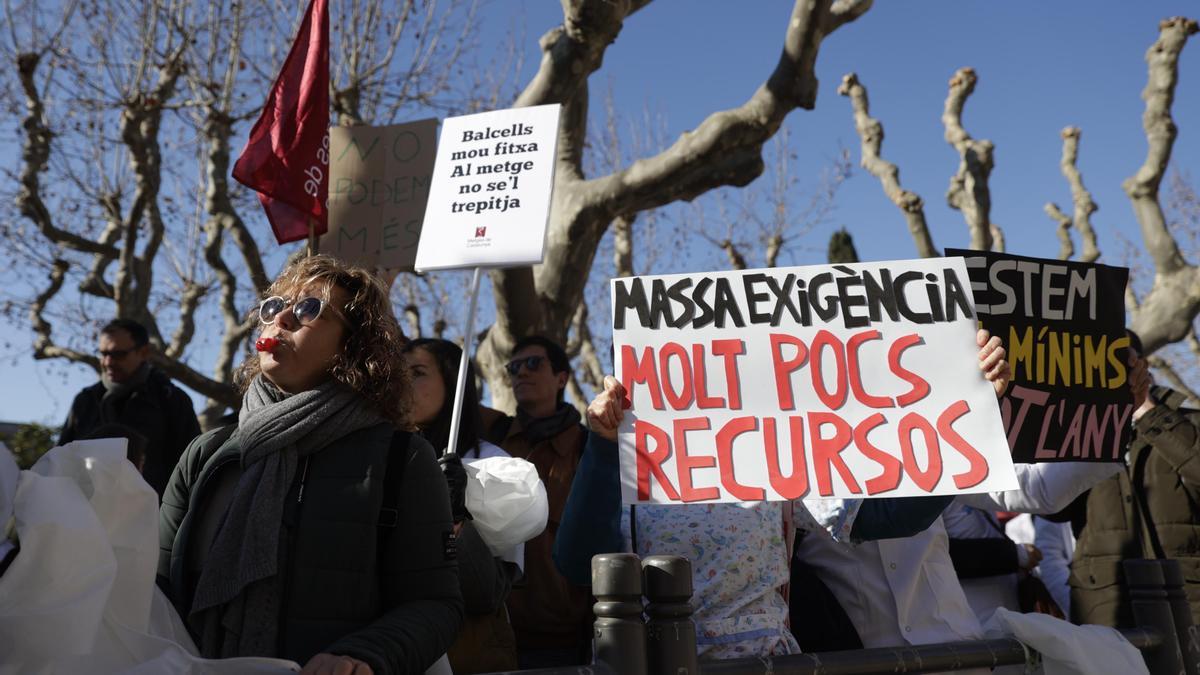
480,232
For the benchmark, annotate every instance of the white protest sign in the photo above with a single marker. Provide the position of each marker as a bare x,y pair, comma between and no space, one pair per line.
857,380
490,198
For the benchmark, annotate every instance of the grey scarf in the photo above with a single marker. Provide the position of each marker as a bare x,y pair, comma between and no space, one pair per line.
115,393
538,429
236,605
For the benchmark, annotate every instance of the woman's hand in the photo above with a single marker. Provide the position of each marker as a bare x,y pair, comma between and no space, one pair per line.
992,362
332,664
608,409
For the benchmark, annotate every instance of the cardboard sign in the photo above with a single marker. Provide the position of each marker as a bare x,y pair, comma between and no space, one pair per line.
490,199
856,380
1063,324
379,180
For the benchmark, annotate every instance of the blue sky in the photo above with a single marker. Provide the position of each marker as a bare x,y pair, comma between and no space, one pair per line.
1041,65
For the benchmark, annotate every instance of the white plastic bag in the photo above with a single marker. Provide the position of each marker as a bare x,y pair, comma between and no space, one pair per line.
507,501
53,595
1068,649
127,508
80,595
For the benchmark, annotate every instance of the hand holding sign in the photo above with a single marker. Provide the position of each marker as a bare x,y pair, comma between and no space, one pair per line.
608,409
992,362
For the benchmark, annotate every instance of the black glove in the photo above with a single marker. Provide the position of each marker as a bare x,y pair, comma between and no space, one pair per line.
456,480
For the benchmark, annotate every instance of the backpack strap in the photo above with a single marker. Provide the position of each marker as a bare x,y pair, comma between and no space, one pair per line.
1143,522
393,476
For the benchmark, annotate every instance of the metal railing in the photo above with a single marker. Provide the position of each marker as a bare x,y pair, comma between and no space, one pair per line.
657,637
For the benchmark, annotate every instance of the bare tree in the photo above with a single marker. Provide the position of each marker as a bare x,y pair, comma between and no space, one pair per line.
725,149
1166,313
129,110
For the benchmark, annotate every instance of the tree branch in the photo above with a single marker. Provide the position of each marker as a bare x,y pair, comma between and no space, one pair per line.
736,260
1142,188
870,131
412,316
997,237
623,245
1165,315
726,149
1080,197
573,51
1066,246
43,345
578,398
190,300
589,360
968,191
35,155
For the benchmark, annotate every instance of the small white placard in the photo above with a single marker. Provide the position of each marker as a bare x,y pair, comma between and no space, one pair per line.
492,182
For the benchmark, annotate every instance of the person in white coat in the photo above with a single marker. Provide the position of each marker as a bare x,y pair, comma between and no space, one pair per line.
900,592
1045,488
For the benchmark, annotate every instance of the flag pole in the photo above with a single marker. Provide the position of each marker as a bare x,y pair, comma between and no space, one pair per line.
312,237
461,386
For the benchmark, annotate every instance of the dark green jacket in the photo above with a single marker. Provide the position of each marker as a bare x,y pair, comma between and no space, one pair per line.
158,410
1164,465
397,609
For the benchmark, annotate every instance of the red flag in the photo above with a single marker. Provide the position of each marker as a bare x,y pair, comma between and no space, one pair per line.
286,159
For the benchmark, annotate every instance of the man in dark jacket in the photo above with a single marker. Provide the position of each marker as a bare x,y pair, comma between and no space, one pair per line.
550,616
134,393
1152,510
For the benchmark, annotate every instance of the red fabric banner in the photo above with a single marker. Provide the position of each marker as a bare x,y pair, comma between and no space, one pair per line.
286,159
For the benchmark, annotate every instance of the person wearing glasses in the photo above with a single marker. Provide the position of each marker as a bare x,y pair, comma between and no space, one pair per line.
315,529
551,617
133,393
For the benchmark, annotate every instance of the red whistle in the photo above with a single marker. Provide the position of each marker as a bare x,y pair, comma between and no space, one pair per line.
266,344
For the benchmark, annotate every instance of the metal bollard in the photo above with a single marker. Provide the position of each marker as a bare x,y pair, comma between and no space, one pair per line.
1144,580
618,634
670,633
1181,612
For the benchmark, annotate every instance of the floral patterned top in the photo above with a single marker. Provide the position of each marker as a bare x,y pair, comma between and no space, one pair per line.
739,557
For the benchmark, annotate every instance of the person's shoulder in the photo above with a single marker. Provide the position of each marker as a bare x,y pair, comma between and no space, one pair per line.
203,447
95,390
410,443
494,424
159,380
211,440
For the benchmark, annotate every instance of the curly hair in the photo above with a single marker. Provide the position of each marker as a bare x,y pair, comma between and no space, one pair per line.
371,361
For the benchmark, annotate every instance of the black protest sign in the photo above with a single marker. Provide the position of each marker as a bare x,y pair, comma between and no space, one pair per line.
1063,325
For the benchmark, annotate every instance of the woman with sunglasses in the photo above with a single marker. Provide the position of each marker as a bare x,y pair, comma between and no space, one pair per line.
314,530
486,643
